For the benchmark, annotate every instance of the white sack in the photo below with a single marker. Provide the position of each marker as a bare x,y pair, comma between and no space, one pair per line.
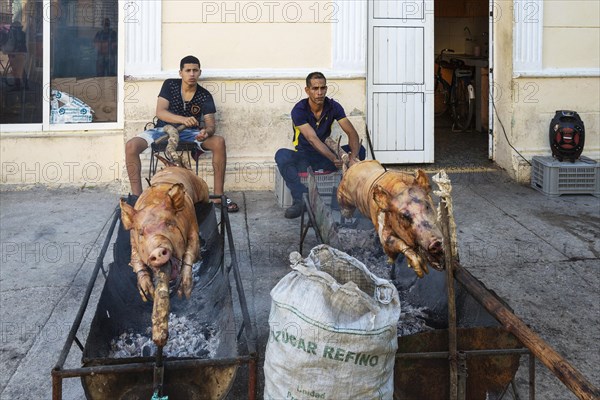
333,330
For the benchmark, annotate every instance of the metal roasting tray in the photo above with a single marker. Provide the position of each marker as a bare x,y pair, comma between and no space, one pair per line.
120,309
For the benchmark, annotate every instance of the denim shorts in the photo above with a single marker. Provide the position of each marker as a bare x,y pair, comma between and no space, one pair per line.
186,135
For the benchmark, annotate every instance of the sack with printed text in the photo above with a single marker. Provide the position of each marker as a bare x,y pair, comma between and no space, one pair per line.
333,330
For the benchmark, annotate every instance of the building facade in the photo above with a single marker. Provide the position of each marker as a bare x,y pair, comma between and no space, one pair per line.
255,55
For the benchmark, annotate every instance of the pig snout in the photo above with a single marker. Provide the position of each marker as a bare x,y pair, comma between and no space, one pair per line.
435,247
159,257
435,254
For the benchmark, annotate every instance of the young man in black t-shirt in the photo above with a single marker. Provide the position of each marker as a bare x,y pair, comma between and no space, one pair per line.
183,102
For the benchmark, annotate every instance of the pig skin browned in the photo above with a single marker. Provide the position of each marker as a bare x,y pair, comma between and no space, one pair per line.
164,216
401,209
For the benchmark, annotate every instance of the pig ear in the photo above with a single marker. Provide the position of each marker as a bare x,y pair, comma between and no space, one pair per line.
422,180
382,198
177,195
127,215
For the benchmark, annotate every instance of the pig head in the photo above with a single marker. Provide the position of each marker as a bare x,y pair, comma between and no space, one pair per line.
401,209
164,228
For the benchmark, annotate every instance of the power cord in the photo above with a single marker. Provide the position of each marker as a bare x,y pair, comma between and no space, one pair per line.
505,135
499,120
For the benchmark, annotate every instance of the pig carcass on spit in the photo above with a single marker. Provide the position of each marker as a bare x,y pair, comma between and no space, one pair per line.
401,209
164,229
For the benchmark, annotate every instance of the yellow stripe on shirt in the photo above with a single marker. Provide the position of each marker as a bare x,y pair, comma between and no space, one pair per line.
296,137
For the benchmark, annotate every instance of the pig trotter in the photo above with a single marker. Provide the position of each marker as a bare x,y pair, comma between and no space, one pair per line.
393,246
416,262
145,286
185,289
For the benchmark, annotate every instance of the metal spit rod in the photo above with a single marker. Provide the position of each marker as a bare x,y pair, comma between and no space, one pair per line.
159,374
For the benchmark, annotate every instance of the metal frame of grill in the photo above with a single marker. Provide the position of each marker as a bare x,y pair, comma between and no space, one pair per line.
250,358
320,220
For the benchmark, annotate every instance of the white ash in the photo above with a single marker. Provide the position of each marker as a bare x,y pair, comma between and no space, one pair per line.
364,245
357,239
196,271
412,320
186,339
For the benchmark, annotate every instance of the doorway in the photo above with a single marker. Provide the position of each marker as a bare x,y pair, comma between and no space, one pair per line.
463,25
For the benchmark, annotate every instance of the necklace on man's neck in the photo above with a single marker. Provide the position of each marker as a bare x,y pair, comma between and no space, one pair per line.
318,118
186,102
193,92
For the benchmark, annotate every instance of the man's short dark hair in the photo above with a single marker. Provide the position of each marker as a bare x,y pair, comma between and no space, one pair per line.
188,60
314,75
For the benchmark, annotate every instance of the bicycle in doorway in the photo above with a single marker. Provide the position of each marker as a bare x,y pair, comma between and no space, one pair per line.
454,91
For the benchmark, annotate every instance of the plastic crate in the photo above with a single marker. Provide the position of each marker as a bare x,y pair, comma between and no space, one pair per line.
555,178
326,182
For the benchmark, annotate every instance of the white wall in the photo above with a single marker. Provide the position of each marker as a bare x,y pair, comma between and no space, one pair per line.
567,78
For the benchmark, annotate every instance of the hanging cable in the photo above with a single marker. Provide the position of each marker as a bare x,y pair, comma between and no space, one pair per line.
505,135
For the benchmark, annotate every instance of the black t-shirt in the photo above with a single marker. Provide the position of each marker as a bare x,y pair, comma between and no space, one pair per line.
202,103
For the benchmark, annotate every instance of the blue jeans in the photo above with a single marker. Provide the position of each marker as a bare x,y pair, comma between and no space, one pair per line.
290,163
186,135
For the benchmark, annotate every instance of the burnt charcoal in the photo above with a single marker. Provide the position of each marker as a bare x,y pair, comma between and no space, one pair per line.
186,339
364,245
208,332
412,320
196,271
203,353
147,351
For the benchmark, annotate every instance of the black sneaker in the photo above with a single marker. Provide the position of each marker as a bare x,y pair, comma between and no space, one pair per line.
295,210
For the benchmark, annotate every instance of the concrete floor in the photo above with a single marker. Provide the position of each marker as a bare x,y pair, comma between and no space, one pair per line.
459,149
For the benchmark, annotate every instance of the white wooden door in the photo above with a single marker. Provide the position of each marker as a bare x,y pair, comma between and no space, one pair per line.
400,80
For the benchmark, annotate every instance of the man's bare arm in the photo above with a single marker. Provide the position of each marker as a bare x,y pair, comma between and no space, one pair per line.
353,140
209,129
311,136
210,124
163,113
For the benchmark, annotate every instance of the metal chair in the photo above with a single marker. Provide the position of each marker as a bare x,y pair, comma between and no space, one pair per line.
157,149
